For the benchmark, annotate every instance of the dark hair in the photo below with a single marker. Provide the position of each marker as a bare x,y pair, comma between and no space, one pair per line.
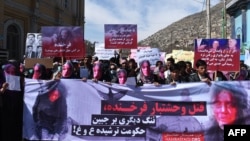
239,95
131,60
174,67
141,79
113,64
243,65
55,85
221,75
189,63
200,62
38,35
65,29
71,67
182,65
42,70
95,58
31,34
121,71
145,61
158,62
69,35
112,59
9,65
171,59
89,57
56,116
132,64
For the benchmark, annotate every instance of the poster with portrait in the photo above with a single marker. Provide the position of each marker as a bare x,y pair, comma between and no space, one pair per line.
33,45
63,41
71,109
220,54
120,36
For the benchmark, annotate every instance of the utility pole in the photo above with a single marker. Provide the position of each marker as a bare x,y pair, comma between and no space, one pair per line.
224,23
83,18
208,20
83,27
171,37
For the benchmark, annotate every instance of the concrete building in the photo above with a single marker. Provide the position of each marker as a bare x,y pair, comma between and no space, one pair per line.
239,12
19,17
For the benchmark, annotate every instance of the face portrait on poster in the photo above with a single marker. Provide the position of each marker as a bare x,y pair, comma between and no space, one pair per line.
63,41
33,46
219,54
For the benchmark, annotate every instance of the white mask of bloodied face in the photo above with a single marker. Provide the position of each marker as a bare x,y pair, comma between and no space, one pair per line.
97,72
66,70
145,68
37,72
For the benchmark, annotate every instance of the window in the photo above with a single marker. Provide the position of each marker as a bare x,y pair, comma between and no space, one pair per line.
238,36
13,42
66,4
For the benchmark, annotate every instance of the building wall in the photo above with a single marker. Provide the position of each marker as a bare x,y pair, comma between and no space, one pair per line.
239,10
248,21
28,16
238,25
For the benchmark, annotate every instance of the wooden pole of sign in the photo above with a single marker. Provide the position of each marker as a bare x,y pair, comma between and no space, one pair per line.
62,60
215,76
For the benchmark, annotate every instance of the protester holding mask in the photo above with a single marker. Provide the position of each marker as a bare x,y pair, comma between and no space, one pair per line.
145,75
122,76
39,72
8,69
98,75
12,91
67,70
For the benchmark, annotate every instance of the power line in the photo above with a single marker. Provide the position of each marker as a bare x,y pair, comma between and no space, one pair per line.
204,1
198,1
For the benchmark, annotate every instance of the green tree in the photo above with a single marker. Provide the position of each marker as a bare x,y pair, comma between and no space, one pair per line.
90,47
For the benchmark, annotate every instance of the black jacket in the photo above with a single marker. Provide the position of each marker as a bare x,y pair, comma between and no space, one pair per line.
195,77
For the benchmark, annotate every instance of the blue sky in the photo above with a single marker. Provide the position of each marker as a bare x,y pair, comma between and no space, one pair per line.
149,15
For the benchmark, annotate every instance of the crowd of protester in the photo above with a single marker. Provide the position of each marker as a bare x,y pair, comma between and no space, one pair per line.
110,71
116,70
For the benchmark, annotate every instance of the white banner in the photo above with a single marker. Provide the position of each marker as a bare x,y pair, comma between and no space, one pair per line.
102,53
70,109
